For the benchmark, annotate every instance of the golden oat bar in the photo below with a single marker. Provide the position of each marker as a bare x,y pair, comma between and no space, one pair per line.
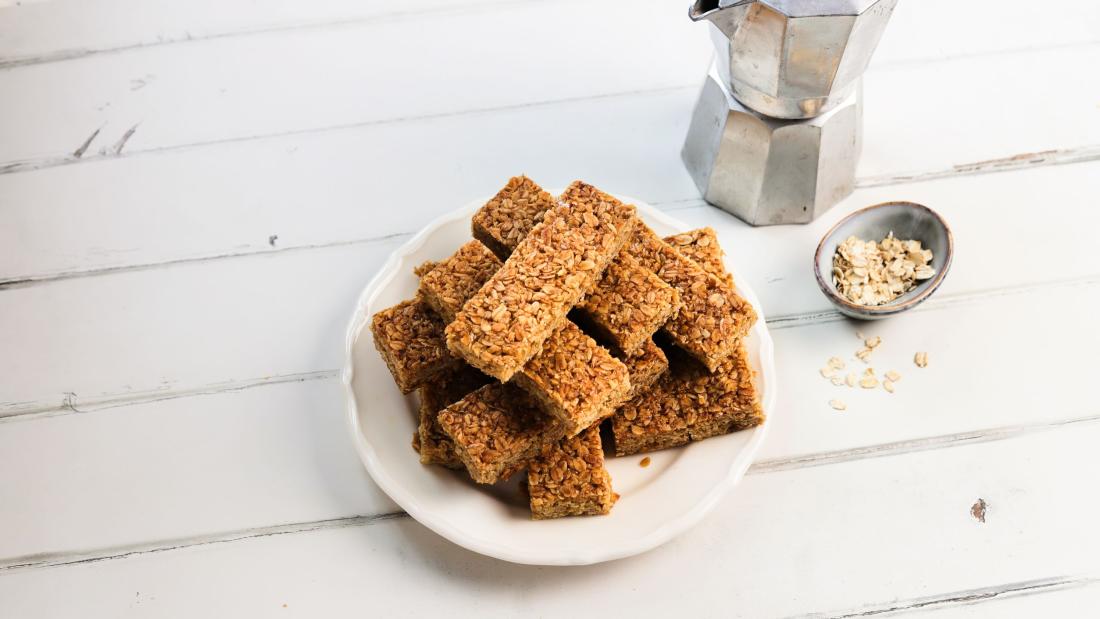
506,323
573,378
689,404
450,283
505,219
568,478
629,304
645,367
434,446
701,245
409,336
497,430
713,318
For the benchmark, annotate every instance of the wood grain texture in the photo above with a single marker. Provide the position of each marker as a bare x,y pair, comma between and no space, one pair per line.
899,534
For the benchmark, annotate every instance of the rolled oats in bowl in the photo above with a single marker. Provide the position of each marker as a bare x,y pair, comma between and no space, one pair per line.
876,272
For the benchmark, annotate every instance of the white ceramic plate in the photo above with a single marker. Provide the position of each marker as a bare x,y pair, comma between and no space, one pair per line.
657,503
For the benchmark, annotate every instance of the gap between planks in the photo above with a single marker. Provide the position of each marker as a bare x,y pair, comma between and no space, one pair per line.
764,467
11,412
965,597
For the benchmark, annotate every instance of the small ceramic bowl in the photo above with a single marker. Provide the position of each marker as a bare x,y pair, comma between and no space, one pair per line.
907,220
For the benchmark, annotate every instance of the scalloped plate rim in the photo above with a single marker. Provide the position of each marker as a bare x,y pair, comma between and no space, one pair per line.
439,524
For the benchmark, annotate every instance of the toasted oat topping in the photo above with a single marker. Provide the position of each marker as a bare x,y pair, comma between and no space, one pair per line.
838,405
575,379
454,280
504,325
870,273
495,429
701,245
645,367
629,304
713,317
434,446
689,403
505,219
921,359
409,337
568,478
424,268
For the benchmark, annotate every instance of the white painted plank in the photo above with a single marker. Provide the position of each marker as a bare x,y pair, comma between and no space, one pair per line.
105,337
41,31
308,79
37,31
179,468
140,334
332,186
284,452
311,79
818,539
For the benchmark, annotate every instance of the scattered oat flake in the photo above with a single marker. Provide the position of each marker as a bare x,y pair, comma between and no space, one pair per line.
863,353
893,376
860,335
888,385
645,462
921,359
851,379
868,382
838,381
836,363
827,372
873,343
838,405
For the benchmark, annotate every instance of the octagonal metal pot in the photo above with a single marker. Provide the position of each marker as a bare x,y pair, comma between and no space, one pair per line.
768,171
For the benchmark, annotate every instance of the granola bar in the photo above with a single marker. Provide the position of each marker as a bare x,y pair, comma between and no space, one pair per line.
645,367
505,324
409,336
629,304
701,245
689,404
713,318
434,446
448,286
424,268
573,377
496,430
505,219
568,479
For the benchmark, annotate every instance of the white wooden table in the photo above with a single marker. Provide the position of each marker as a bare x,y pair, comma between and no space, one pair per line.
193,193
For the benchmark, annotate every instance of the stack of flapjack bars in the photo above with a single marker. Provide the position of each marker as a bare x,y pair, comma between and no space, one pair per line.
560,315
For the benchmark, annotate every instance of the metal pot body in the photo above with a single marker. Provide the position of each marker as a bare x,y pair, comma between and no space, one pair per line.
768,171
